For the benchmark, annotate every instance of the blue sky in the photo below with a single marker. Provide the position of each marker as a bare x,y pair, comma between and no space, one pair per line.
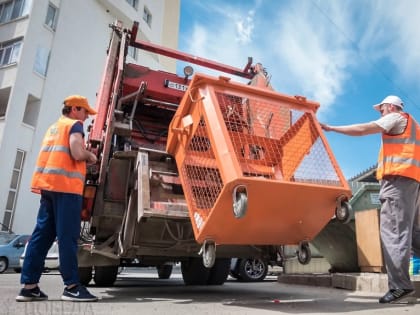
345,54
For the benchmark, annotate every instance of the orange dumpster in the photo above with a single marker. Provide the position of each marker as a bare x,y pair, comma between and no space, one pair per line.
254,164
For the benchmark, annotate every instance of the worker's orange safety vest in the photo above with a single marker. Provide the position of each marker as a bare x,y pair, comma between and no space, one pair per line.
56,170
400,154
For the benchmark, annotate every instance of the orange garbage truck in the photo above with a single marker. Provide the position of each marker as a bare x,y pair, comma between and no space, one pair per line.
198,169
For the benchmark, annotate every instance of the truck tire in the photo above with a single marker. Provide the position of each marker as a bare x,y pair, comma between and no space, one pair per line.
105,276
85,275
252,270
219,272
194,272
164,271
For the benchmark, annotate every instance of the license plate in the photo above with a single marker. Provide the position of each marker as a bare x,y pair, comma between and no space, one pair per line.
176,86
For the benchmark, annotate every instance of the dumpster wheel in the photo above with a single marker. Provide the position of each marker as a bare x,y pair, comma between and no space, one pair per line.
208,250
343,211
304,253
240,201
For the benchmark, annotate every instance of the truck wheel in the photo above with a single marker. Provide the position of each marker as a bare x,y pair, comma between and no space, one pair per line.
252,270
3,264
164,271
219,272
105,276
85,275
194,272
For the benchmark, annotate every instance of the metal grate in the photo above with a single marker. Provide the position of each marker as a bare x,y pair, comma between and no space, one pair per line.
200,171
276,141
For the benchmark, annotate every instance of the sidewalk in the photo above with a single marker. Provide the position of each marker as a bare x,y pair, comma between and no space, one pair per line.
367,282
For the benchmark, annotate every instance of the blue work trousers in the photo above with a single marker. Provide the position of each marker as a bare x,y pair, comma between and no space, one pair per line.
58,217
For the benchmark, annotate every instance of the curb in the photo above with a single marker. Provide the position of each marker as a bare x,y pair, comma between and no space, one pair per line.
370,282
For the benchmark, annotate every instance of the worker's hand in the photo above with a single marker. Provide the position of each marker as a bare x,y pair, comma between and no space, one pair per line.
91,159
325,127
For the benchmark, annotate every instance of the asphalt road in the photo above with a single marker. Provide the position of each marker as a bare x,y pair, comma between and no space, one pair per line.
139,291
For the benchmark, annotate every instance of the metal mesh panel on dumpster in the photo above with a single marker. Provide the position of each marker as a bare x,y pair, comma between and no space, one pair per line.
273,141
200,171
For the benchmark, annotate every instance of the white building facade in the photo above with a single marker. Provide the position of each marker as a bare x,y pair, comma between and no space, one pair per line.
50,49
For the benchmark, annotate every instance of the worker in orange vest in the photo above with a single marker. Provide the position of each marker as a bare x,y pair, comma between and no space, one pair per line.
399,174
59,178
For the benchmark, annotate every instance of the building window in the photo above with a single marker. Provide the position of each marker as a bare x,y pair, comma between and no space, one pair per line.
9,52
42,58
147,16
11,10
4,100
30,117
133,3
51,18
3,109
13,190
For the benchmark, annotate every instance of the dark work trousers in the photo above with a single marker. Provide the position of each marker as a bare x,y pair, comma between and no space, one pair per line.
400,227
58,217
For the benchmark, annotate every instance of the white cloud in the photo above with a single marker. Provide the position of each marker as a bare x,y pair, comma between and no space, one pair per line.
299,48
225,40
224,14
245,27
388,33
405,46
315,58
311,48
199,40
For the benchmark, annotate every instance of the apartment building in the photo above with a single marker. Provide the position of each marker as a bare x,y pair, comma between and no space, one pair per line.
50,49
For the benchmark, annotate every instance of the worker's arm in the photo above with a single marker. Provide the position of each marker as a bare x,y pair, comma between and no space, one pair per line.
355,130
78,151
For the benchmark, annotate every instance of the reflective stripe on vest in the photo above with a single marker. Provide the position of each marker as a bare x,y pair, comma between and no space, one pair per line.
57,148
56,170
400,154
59,171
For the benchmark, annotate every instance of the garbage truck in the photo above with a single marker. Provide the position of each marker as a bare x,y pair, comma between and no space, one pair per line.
196,169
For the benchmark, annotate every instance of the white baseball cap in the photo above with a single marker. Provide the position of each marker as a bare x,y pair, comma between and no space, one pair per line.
390,99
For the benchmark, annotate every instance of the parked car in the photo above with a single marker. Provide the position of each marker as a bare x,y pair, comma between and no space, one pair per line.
248,270
52,261
11,248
